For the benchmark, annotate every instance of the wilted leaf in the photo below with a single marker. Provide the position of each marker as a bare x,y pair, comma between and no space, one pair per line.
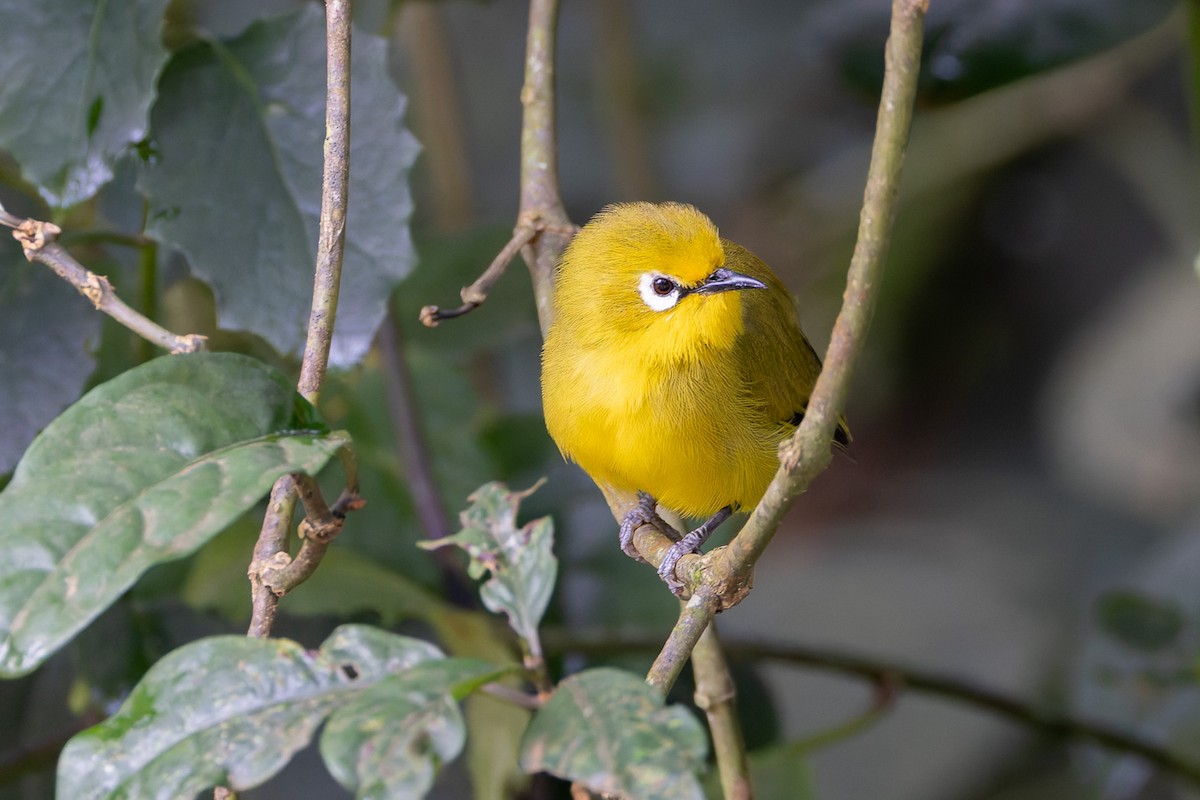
1139,621
143,469
611,731
78,82
176,736
520,560
235,178
45,327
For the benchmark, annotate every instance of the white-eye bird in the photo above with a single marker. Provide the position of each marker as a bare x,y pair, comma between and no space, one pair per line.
674,367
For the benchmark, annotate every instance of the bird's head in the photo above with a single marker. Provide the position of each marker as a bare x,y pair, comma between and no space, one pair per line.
654,277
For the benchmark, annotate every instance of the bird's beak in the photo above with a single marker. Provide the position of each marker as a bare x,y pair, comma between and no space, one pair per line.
726,280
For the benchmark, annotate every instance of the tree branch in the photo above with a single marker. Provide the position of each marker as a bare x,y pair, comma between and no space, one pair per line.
38,239
272,571
894,677
715,695
335,187
728,571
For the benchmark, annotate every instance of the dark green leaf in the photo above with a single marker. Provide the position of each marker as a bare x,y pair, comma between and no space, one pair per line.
611,731
45,329
1139,621
143,469
78,82
169,740
520,560
235,182
176,735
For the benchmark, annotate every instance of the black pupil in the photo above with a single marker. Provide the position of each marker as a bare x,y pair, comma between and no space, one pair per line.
662,286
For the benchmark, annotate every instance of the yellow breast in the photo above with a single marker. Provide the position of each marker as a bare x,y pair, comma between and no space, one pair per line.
690,433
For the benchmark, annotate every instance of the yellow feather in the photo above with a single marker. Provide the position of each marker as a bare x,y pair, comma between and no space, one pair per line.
688,402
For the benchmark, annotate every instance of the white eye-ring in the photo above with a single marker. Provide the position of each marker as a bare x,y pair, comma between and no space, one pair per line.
658,291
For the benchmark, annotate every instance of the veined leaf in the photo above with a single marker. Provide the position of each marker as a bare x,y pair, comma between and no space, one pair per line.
78,82
143,469
235,179
611,731
175,736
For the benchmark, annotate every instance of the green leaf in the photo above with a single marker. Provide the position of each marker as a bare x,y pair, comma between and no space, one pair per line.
1139,621
521,560
390,741
78,82
177,735
235,179
45,327
611,731
143,469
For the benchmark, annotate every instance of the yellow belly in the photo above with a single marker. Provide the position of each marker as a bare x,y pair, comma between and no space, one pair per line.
694,443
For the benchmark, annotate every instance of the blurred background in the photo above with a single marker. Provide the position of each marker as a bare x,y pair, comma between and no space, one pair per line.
1020,509
1021,505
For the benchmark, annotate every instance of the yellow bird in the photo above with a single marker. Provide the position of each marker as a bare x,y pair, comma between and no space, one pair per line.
674,367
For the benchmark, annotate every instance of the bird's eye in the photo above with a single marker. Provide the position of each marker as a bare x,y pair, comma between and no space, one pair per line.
658,292
662,286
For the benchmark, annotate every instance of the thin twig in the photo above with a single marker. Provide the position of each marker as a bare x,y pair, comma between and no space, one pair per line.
335,187
807,453
513,695
271,570
474,295
39,242
715,695
418,460
883,699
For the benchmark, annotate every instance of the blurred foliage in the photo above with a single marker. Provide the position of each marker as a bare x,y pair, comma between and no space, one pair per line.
971,49
1140,622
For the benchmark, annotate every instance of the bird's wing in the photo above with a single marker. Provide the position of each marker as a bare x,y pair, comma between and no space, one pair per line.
779,364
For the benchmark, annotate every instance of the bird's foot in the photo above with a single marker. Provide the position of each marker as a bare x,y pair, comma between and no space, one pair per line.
643,513
689,544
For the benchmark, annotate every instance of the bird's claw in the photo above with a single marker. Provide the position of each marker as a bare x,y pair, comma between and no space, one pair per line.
643,513
691,543
666,570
